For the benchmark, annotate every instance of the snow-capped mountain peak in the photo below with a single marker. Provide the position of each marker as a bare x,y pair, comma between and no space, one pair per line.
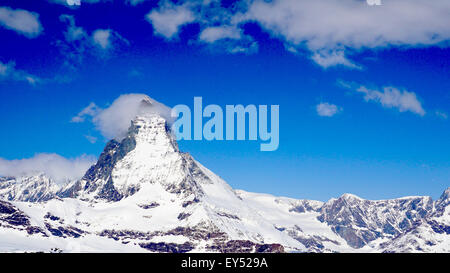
147,150
29,188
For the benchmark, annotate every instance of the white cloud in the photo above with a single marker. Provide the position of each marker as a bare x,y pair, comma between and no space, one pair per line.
228,38
59,168
91,139
352,23
374,2
169,18
74,3
106,39
135,2
212,34
8,71
330,31
78,43
114,121
389,97
326,109
101,37
22,21
73,32
392,97
328,59
91,110
441,114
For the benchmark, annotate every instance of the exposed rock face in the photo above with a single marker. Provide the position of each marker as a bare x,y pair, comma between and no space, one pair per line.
442,203
241,246
11,215
168,247
360,221
13,218
37,188
98,178
430,234
302,206
148,154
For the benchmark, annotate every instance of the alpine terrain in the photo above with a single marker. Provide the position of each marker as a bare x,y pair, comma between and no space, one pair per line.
144,194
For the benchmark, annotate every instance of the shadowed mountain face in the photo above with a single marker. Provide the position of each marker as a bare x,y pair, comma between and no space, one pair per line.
35,188
361,221
143,194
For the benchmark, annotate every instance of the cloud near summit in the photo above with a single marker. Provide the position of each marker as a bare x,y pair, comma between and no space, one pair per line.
59,168
113,121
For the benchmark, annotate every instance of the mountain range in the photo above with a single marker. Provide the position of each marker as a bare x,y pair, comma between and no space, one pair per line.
144,194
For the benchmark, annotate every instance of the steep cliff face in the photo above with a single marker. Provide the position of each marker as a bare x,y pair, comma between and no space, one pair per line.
34,188
361,221
429,234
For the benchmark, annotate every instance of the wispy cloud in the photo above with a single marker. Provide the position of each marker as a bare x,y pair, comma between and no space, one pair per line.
350,25
91,139
21,21
326,109
328,59
59,168
441,114
78,43
75,3
8,71
212,34
228,38
102,38
135,2
330,32
168,18
389,97
114,121
89,111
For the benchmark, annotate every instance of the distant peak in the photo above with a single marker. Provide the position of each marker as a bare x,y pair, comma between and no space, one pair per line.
445,194
146,102
350,196
149,108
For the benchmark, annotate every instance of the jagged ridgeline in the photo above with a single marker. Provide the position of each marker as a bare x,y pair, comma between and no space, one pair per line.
144,194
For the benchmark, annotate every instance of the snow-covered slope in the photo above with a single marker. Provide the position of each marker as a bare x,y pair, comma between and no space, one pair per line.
431,234
35,188
361,221
353,224
144,194
297,219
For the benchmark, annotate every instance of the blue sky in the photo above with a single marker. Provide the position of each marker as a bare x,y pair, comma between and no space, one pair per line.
373,141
